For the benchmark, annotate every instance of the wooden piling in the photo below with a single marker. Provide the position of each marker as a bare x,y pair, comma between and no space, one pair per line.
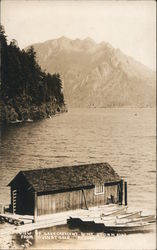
35,206
1,208
125,188
121,192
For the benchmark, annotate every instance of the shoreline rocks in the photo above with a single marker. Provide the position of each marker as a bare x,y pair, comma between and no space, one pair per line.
21,109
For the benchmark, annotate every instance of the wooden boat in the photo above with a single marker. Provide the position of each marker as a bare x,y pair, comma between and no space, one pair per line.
110,215
130,215
119,211
92,226
129,228
147,218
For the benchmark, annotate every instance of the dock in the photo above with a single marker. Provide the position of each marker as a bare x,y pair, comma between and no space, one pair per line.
26,223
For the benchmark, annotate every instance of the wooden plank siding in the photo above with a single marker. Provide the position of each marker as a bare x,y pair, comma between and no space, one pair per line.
56,189
71,200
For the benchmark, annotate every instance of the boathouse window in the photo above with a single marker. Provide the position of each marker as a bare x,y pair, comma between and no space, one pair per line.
99,189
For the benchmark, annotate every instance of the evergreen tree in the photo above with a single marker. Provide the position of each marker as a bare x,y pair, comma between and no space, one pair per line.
21,75
4,60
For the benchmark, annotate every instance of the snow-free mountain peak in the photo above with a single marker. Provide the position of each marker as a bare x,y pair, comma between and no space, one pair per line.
96,74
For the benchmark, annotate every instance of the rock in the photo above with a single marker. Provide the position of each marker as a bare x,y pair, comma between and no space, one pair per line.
13,116
23,109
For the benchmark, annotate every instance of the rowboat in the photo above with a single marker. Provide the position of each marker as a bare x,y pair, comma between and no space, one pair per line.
147,218
119,211
110,227
130,215
129,228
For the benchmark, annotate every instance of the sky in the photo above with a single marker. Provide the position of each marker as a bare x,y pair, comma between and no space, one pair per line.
127,25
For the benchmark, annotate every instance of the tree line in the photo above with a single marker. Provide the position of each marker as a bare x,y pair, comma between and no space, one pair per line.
21,75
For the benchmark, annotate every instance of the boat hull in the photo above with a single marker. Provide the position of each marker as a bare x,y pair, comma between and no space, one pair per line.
91,226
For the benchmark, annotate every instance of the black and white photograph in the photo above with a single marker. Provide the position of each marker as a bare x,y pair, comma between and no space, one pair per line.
78,125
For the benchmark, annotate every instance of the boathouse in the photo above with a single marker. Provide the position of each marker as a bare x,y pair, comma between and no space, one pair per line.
52,190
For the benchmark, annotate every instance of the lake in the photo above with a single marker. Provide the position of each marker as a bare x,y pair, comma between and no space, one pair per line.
125,138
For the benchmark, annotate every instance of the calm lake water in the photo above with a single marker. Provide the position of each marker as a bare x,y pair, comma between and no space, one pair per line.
125,138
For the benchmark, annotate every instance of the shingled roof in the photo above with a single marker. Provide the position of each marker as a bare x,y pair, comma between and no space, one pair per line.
62,178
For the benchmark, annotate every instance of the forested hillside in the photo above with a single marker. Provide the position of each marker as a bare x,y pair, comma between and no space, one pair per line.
27,92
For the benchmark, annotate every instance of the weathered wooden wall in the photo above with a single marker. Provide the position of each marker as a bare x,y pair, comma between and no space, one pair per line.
53,203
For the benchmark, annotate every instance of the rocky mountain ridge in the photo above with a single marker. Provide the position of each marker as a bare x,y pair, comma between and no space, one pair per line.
97,75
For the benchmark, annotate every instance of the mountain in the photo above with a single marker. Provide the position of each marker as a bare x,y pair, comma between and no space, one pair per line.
97,75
